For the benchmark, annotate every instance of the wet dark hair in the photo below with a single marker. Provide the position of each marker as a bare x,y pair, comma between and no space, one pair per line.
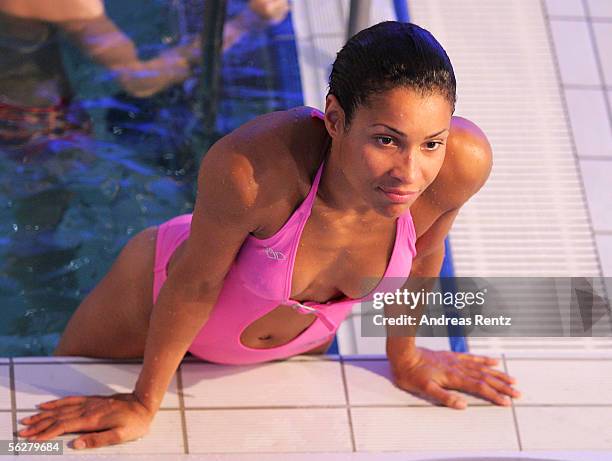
388,55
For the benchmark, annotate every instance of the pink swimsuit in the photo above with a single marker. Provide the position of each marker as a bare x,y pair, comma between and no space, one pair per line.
259,280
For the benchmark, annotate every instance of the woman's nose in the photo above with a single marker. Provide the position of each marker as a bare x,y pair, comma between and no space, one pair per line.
406,169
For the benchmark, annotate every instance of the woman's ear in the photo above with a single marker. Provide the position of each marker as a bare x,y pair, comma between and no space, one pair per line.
334,116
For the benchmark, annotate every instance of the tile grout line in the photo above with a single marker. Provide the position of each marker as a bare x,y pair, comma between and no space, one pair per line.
13,400
179,388
587,86
571,18
514,418
600,71
553,54
348,406
595,158
483,404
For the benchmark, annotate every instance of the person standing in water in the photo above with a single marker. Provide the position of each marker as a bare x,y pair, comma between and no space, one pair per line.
47,150
294,210
36,99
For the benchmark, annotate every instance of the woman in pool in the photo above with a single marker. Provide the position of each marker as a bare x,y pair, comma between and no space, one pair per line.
294,209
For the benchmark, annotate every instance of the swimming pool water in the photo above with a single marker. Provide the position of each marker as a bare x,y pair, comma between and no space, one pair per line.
68,209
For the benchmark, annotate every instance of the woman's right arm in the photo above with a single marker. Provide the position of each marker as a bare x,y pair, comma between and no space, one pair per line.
225,212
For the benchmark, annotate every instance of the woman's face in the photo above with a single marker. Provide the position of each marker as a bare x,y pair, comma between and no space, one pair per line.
394,147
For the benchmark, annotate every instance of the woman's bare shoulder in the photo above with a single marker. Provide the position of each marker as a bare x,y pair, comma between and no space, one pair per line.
466,166
269,159
282,143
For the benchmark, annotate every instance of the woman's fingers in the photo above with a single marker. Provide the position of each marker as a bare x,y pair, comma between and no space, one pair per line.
441,395
37,427
62,426
480,387
483,368
49,413
71,400
42,423
98,439
494,382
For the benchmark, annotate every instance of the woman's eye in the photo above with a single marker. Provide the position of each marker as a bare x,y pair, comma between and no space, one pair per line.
385,140
432,145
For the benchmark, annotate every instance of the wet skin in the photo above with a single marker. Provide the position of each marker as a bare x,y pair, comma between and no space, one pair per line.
348,236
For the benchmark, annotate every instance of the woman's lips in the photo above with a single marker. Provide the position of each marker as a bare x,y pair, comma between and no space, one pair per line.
398,195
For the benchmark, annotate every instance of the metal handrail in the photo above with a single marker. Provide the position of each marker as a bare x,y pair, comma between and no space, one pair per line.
212,48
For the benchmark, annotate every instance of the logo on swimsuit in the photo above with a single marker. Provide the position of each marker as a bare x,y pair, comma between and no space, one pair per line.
273,254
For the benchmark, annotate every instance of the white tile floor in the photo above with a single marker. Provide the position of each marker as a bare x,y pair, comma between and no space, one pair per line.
406,429
575,54
549,382
543,427
600,8
39,382
588,115
604,244
336,404
565,7
305,430
597,177
5,399
211,386
582,33
349,409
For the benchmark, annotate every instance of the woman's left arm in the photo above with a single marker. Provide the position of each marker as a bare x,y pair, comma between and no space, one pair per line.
431,373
